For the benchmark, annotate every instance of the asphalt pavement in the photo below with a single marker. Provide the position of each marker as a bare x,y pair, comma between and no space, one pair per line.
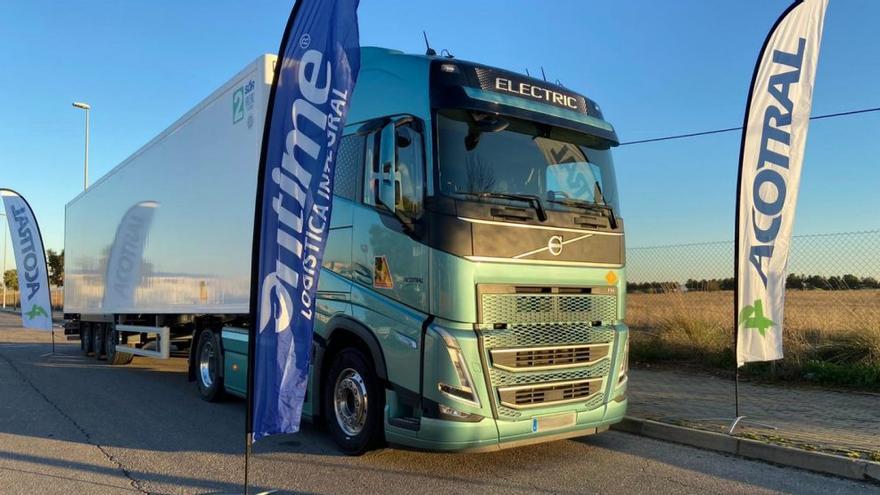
71,424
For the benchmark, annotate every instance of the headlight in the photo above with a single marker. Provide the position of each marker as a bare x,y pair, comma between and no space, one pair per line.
464,390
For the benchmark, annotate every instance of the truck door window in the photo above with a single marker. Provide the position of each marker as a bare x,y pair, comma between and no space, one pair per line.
410,172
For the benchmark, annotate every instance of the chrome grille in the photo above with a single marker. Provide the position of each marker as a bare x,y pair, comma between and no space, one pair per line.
542,308
541,358
546,346
511,414
501,378
546,334
527,396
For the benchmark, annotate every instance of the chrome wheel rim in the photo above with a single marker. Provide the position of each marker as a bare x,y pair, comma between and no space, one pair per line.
206,365
350,402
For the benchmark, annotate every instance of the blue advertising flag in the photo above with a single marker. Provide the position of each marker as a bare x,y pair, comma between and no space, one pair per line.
314,77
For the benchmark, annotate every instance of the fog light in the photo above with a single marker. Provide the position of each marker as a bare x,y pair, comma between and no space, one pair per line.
447,413
455,413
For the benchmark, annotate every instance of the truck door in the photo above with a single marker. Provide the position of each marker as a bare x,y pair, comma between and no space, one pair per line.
387,260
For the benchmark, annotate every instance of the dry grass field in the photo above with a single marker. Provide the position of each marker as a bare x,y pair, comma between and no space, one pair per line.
825,332
813,310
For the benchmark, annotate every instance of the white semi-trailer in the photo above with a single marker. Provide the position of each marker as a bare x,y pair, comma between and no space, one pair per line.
200,176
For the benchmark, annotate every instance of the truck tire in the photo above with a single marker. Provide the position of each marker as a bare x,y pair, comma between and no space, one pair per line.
83,343
353,402
98,330
115,358
209,362
88,338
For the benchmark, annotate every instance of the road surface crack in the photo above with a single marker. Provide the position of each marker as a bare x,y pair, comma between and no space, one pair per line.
134,482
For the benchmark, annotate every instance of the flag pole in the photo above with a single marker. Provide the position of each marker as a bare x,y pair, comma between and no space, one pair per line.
255,252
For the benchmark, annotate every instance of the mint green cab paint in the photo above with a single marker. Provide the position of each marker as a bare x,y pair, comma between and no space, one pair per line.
235,352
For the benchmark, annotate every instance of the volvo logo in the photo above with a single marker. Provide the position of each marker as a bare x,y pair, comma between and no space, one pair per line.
554,245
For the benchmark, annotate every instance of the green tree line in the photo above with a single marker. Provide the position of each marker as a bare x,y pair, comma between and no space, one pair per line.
793,281
56,271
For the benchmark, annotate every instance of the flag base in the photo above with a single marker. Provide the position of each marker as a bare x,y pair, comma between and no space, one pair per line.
53,346
734,422
742,419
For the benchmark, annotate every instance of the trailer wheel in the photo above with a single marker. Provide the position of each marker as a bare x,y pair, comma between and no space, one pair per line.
83,343
87,337
353,402
208,364
115,357
98,331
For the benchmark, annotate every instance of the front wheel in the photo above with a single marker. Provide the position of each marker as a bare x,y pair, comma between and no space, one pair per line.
353,402
208,364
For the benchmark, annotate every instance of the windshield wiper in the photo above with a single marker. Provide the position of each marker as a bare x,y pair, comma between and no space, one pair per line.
588,205
532,200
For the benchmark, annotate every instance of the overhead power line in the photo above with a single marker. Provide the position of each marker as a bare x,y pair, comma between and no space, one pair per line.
731,129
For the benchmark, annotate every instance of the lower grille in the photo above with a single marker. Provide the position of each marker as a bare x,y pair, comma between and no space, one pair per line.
548,394
522,340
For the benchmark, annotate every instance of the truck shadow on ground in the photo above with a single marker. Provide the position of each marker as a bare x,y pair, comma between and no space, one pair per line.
71,398
151,477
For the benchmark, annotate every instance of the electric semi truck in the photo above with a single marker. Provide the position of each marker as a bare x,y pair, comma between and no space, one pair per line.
472,290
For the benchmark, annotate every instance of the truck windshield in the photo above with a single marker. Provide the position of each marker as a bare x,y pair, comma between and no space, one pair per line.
518,157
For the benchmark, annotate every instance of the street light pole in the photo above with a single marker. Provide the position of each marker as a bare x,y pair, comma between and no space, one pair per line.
86,107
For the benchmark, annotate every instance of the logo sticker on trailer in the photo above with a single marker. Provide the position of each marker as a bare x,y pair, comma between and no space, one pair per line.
238,105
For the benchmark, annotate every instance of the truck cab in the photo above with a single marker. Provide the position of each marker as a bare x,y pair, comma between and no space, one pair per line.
472,290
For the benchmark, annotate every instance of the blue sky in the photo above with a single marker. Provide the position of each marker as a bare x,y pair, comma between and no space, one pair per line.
656,68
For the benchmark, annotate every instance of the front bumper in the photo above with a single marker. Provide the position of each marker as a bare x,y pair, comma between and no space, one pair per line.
490,434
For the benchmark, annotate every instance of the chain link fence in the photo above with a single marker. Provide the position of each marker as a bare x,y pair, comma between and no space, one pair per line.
833,282
822,395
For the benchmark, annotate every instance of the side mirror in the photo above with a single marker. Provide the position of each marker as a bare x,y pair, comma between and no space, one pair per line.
388,167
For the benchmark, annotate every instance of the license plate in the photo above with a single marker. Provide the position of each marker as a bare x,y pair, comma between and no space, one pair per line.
555,422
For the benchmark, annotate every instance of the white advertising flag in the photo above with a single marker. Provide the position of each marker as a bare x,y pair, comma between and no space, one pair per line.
30,262
774,136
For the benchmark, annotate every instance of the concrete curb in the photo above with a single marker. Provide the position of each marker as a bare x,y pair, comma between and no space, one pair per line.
856,469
